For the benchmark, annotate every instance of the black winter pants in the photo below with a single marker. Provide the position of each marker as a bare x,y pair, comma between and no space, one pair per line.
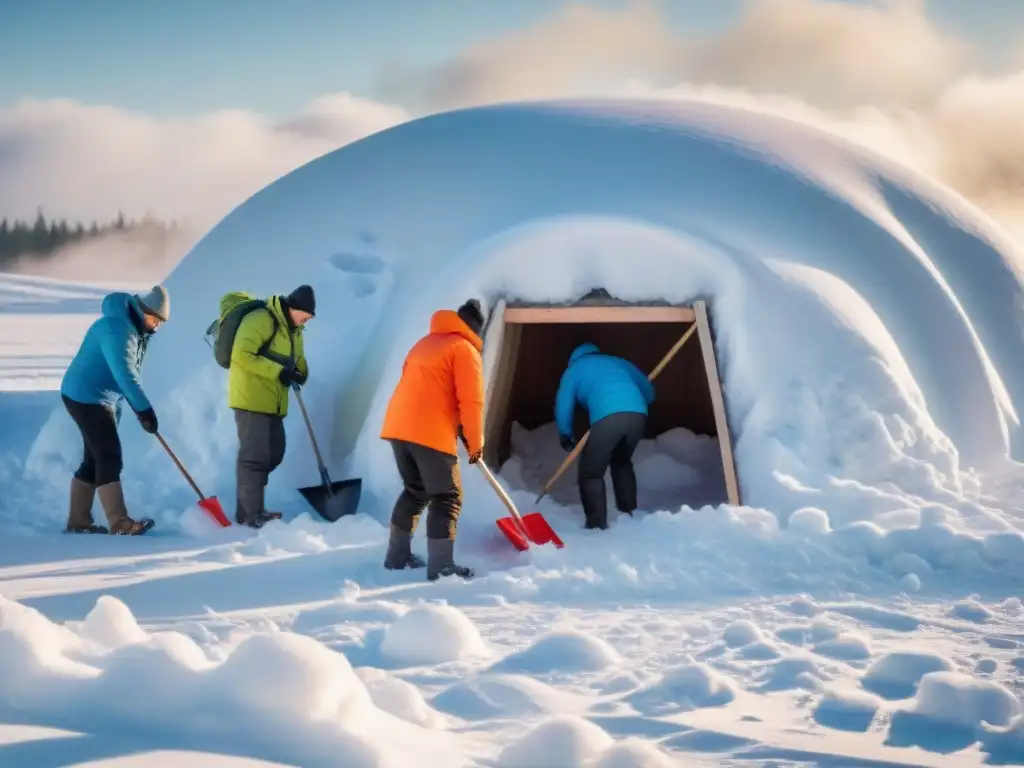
430,478
261,447
101,461
612,442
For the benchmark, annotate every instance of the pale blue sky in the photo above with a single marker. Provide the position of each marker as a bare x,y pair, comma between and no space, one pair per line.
181,57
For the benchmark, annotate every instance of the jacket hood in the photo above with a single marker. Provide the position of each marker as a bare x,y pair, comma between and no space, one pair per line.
277,307
581,350
448,321
120,305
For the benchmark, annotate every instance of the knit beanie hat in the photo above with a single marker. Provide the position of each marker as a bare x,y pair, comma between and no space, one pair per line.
302,299
472,315
156,303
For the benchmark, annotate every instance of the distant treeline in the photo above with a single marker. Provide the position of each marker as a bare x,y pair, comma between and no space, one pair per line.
43,237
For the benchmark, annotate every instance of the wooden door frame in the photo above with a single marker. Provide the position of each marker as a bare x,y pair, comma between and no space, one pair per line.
512,318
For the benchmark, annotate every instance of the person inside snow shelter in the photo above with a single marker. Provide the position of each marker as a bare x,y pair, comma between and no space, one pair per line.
104,372
615,394
267,359
439,399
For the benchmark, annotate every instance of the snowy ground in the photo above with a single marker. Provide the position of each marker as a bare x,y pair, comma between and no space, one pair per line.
712,636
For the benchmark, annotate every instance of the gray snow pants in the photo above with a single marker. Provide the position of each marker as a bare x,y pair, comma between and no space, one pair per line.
429,478
261,446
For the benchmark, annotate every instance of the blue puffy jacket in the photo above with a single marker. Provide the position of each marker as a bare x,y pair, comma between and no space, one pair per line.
109,362
602,384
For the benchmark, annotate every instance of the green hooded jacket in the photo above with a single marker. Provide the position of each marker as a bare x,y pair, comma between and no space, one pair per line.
253,383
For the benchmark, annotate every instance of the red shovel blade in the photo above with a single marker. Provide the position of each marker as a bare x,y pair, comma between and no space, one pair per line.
212,507
537,529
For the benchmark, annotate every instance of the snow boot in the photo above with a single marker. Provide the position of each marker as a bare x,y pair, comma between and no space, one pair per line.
112,498
80,509
441,560
400,554
251,497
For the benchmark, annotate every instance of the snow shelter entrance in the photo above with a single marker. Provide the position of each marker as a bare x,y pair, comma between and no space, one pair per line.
527,347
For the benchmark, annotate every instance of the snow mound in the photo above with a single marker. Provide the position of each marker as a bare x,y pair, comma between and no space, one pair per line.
896,675
845,646
562,652
512,696
811,521
791,673
399,698
847,709
632,753
110,623
684,688
286,695
953,711
433,634
742,632
564,741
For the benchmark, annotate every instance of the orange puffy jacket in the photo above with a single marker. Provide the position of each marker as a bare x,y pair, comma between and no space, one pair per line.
441,388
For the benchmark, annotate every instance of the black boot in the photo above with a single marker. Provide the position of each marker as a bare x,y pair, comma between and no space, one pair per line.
441,560
400,554
594,497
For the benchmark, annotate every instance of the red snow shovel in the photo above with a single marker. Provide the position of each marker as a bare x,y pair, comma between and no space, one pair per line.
520,529
331,500
583,441
208,504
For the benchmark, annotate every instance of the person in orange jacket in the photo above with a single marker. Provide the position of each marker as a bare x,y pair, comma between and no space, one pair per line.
439,397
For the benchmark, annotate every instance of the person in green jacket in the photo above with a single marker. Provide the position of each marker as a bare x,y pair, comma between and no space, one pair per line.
266,359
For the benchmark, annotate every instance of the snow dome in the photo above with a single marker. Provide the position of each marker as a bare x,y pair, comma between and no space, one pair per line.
862,322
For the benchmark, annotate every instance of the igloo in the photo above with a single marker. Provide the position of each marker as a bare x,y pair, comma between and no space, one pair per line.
813,258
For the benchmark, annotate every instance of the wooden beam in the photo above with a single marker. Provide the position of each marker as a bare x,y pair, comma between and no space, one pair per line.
707,347
522,315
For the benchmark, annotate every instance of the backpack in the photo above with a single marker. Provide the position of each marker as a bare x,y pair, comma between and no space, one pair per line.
220,334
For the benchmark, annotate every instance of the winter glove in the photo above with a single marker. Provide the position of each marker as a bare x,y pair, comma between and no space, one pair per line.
567,442
288,376
299,377
147,419
475,457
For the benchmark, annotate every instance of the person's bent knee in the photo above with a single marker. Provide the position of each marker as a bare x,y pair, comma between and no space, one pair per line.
108,471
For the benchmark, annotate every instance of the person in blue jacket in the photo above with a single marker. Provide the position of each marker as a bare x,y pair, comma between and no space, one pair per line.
104,373
615,394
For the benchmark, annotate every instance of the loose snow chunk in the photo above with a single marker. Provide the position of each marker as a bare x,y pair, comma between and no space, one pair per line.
433,634
810,520
846,646
562,652
567,740
847,709
685,688
111,624
742,632
896,675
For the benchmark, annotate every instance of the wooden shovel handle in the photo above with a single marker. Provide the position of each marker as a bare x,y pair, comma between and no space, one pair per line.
181,467
583,441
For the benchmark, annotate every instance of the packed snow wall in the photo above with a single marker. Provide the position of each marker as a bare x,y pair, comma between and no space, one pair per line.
866,318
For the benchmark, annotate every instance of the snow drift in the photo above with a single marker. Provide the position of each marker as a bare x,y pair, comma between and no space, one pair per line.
866,319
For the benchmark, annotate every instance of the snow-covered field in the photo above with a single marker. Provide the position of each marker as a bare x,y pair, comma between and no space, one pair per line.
863,610
706,637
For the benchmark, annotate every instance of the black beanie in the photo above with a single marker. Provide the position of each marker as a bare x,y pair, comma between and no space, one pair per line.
302,299
472,315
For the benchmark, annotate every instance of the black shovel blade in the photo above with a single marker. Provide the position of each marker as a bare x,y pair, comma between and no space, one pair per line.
337,500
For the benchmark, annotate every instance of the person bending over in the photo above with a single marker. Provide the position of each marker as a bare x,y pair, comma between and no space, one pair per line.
616,395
